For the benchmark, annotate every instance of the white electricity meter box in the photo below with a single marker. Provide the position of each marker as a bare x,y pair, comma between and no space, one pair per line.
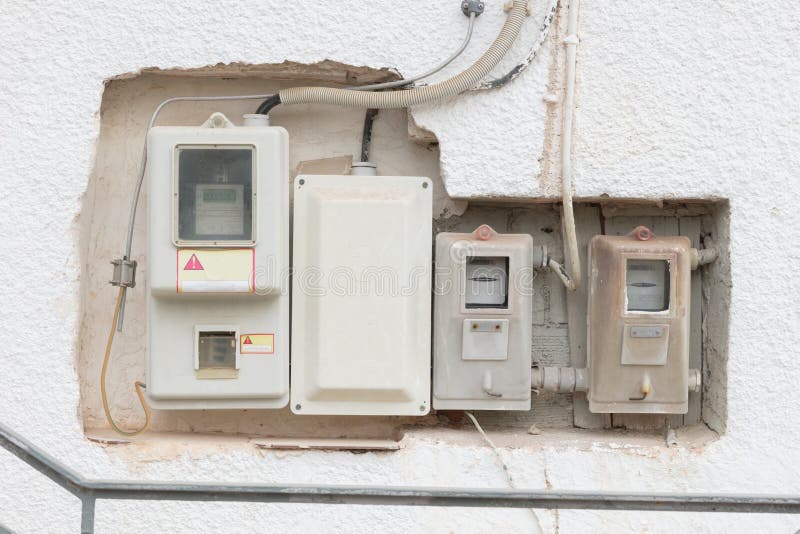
218,261
361,295
638,327
483,321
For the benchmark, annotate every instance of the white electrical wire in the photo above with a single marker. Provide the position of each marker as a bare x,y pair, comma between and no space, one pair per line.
571,279
431,72
502,463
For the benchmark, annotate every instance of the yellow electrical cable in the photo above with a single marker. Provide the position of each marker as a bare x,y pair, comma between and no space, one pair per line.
138,385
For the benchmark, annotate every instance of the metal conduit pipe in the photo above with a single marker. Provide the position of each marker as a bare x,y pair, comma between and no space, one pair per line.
88,491
571,379
459,83
703,256
559,379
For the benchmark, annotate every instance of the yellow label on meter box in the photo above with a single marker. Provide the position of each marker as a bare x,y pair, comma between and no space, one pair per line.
215,271
257,343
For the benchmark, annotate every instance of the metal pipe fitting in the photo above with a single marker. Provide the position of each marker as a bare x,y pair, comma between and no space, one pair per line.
695,381
703,256
559,379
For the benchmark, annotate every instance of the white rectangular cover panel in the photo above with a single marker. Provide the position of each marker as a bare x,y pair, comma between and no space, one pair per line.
361,295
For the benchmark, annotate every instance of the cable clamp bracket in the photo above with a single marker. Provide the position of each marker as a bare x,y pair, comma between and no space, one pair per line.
468,7
124,273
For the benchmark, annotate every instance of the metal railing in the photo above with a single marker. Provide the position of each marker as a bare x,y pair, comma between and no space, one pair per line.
89,491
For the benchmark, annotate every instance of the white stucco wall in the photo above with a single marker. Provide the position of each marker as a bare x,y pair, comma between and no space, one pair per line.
674,101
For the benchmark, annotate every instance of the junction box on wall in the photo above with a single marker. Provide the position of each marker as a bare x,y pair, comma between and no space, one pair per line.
483,321
361,330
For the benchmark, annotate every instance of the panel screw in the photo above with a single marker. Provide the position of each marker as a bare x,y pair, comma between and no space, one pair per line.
424,185
301,181
297,406
422,407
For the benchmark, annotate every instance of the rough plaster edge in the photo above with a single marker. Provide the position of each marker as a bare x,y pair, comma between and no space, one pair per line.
326,71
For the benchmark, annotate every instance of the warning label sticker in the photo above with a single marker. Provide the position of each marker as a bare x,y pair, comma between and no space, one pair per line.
215,271
257,343
193,264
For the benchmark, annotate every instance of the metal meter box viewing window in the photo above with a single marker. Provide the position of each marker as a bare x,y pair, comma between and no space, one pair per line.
647,285
214,194
486,282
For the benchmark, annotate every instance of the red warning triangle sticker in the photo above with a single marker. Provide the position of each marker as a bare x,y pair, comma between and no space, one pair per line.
193,264
247,341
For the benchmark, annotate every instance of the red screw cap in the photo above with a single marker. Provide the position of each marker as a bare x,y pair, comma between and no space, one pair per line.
642,233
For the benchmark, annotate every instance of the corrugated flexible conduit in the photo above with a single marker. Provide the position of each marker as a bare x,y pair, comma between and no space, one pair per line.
459,83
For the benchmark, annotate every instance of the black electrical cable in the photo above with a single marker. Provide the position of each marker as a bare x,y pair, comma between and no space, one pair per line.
366,136
267,105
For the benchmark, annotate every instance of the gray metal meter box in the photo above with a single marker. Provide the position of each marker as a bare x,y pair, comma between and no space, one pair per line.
482,321
217,265
638,324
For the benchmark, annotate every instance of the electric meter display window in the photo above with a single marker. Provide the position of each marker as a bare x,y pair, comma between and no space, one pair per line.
647,285
486,282
215,194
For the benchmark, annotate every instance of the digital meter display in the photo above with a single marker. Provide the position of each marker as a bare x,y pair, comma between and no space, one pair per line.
215,193
647,285
219,195
219,210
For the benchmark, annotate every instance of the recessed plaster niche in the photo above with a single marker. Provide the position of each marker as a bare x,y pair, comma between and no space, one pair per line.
321,137
559,320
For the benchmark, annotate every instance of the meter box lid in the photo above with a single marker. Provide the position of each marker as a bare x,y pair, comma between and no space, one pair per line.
638,335
361,295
